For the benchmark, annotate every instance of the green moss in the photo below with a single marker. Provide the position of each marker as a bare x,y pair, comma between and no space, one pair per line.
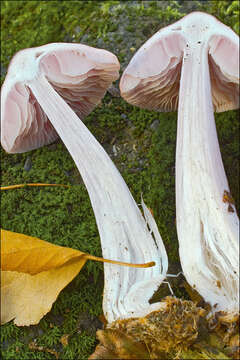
146,157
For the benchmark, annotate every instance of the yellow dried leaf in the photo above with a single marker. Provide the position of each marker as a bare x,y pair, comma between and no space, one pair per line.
31,255
33,272
27,298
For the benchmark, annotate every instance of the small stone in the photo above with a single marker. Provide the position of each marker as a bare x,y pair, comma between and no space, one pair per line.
114,91
88,323
40,332
84,38
113,140
3,70
114,148
77,29
154,125
68,38
130,124
28,164
52,147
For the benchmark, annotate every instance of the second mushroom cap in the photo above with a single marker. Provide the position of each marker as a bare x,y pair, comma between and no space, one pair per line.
151,79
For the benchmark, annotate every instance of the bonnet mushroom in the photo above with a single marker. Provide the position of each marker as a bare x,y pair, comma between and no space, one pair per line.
193,66
44,91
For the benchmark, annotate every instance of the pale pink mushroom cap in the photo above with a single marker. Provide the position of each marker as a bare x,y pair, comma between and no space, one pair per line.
152,78
80,74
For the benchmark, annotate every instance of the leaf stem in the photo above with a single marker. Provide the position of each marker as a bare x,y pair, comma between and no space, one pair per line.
24,185
96,258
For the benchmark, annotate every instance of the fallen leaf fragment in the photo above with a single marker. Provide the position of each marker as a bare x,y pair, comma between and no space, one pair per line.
33,272
64,339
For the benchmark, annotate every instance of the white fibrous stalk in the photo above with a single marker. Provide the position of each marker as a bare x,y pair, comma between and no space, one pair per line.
207,223
193,66
123,231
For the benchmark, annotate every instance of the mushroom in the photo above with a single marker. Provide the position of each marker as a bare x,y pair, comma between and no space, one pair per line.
43,89
193,66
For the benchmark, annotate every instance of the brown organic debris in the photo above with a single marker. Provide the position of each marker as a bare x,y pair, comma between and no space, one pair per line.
227,197
64,340
102,353
114,344
181,329
33,346
174,328
226,326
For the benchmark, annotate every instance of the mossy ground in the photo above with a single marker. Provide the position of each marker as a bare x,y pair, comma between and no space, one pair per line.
141,143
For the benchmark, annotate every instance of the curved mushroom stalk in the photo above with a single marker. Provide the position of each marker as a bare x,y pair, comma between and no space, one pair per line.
42,87
194,64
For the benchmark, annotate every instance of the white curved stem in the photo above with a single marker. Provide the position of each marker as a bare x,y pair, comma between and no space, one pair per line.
207,231
123,230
